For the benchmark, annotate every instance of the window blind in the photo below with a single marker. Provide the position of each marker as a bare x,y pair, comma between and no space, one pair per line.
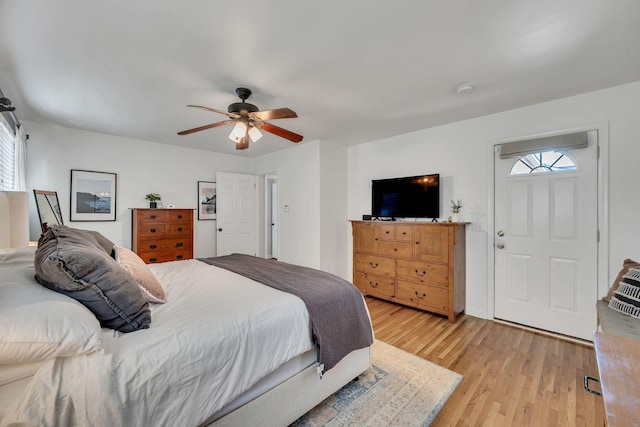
7,158
559,142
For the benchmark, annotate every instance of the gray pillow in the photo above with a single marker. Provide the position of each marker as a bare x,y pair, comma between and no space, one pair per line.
103,242
75,263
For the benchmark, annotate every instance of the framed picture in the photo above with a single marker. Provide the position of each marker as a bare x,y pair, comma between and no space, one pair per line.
206,200
93,195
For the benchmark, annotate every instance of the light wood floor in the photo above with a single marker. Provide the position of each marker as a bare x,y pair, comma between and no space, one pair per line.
512,377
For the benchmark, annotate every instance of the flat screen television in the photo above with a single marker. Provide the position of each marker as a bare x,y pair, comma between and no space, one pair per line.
409,197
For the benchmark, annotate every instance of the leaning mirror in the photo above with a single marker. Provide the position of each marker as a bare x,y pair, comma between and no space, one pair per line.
48,208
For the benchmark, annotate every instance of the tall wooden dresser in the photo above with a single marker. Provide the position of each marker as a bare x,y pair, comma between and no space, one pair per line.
418,264
160,235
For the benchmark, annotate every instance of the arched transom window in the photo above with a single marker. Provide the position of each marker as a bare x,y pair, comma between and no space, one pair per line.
543,162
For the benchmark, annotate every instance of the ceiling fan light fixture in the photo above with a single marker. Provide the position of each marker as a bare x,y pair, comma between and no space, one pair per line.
233,137
254,133
240,129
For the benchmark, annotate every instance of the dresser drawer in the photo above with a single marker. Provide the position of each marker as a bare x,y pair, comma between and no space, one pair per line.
178,229
156,245
165,256
423,272
426,297
400,232
179,215
375,285
151,215
376,265
387,232
404,233
152,230
396,249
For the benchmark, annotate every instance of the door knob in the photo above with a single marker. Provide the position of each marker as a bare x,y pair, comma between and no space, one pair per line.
219,229
500,233
500,245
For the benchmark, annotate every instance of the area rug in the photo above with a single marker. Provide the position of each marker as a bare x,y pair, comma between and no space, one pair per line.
400,389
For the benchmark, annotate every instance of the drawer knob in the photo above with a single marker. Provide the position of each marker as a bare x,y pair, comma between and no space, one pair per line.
395,249
153,217
373,285
179,216
153,230
180,256
376,239
387,232
153,259
372,265
404,233
153,246
179,228
179,244
423,296
423,273
417,243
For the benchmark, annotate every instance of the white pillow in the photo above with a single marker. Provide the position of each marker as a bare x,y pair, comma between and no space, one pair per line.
37,323
17,257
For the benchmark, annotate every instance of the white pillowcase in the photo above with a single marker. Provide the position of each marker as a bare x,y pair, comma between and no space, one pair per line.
37,323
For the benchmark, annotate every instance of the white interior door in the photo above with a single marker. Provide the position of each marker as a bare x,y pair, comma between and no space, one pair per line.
236,213
546,245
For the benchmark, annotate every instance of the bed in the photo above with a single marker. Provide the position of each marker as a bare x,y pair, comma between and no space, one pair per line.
223,350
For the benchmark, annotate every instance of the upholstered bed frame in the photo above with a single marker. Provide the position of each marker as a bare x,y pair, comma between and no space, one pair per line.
278,406
293,398
14,219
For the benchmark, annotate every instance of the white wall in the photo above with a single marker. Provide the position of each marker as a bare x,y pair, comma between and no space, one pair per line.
334,228
298,171
459,152
142,167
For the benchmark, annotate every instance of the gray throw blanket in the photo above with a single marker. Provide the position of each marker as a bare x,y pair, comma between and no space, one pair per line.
339,320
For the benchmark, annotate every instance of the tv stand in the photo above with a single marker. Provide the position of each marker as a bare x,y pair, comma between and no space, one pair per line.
419,264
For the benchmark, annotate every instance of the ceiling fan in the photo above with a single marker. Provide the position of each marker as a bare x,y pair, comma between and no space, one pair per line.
249,120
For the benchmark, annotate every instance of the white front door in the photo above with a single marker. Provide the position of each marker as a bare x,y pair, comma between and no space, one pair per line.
236,213
546,244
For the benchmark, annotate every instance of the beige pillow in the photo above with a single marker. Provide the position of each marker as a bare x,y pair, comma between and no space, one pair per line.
149,285
626,265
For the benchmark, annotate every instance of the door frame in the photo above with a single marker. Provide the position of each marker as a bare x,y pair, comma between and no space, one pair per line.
603,206
268,201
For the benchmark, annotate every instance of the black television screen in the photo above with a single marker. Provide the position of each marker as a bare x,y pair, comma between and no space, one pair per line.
410,197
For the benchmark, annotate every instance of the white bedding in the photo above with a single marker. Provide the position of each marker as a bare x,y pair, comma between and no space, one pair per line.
217,335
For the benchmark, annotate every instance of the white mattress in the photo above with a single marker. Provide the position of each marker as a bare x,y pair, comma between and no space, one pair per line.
214,339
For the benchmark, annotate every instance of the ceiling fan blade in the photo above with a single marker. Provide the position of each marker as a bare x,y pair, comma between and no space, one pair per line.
232,115
277,130
243,143
277,113
205,127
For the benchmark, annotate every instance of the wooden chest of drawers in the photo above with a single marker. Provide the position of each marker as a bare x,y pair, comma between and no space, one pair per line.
421,265
160,235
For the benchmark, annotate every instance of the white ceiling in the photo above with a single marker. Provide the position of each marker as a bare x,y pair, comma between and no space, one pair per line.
354,71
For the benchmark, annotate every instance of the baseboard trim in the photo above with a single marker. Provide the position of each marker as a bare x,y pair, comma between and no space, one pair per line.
481,314
547,333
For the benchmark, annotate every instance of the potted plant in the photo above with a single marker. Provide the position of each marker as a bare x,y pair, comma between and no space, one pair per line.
455,210
153,199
